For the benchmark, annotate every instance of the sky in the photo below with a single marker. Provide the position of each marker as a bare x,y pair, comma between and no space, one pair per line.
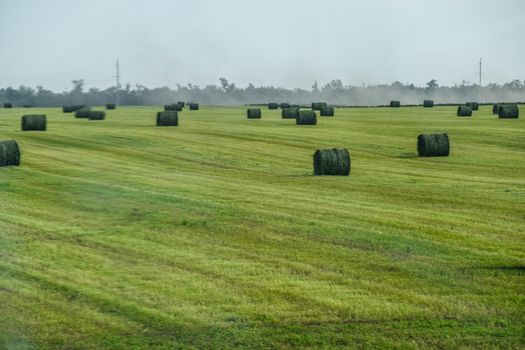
284,43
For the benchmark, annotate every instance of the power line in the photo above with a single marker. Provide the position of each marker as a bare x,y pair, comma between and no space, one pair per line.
117,102
480,89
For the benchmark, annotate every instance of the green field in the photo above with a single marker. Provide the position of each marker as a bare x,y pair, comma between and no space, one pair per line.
118,234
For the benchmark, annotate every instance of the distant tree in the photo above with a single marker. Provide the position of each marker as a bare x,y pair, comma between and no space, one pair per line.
224,83
336,84
432,84
78,85
397,84
514,84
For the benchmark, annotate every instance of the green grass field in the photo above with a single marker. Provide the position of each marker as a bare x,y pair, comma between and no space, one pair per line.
118,234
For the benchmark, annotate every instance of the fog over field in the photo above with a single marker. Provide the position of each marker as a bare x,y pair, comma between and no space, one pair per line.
285,44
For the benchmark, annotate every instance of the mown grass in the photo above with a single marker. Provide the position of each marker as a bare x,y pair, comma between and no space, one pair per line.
121,235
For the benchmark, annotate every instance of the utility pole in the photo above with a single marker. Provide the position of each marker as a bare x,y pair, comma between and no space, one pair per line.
117,102
480,80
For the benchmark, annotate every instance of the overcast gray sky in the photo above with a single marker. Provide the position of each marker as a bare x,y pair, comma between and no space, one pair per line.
288,43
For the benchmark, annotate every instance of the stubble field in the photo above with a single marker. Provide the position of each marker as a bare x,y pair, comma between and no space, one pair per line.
119,234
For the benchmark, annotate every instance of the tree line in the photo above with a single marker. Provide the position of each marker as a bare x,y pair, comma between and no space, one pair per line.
227,93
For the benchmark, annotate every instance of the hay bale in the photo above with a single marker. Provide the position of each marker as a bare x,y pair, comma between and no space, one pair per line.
87,113
395,104
508,111
253,113
181,103
284,105
168,118
34,122
428,103
194,106
473,105
9,153
8,105
97,115
464,111
327,111
290,113
317,106
72,108
83,112
173,107
332,162
273,105
495,107
306,117
433,145
110,106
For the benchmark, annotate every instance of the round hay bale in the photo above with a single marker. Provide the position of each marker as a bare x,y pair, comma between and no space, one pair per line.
173,107
72,108
181,103
495,108
253,113
8,105
327,111
433,145
473,105
273,105
332,162
97,115
110,106
9,153
508,111
284,105
83,112
290,113
317,106
428,103
306,117
194,106
34,122
395,104
168,118
464,111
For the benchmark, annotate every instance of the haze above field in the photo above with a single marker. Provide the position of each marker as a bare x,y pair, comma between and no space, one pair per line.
280,43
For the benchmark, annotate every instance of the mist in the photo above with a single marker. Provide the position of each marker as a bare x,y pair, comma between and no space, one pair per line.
285,44
227,93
